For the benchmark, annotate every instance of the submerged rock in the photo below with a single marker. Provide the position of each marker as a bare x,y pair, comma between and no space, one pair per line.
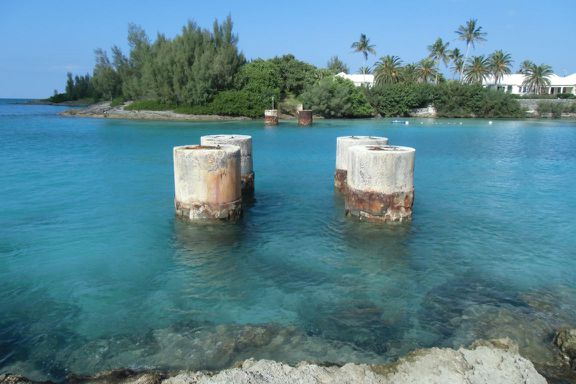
13,379
565,340
120,376
458,314
358,322
207,347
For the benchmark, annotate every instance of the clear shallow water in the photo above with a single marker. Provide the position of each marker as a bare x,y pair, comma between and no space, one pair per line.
96,273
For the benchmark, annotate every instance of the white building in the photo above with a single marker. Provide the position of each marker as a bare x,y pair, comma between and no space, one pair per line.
514,84
358,79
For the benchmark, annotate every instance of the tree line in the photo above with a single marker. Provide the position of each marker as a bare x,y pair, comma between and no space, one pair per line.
389,69
189,69
202,71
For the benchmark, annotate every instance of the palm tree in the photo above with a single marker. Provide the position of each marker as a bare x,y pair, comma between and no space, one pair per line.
500,64
387,70
409,74
471,34
537,77
525,66
439,52
477,70
363,46
365,70
427,70
458,61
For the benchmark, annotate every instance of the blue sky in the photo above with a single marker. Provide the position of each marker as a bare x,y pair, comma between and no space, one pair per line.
42,40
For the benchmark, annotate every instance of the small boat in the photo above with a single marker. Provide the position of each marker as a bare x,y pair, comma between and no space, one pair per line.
405,122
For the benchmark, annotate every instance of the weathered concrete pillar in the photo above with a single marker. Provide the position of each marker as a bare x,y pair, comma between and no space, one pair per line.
305,117
342,145
271,117
207,182
380,182
245,144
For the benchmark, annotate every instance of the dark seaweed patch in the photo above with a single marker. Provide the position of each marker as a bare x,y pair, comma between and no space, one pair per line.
442,309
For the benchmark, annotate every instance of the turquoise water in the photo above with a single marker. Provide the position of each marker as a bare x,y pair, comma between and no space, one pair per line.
96,273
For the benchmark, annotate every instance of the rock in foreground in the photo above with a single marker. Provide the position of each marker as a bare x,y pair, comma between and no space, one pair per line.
565,340
494,362
484,362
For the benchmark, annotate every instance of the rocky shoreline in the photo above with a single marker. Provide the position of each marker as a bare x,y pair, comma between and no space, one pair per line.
518,350
492,361
105,110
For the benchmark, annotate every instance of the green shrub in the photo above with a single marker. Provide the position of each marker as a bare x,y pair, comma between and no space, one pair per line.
226,103
242,103
459,100
289,105
400,99
566,96
334,97
462,100
259,76
149,105
295,75
451,99
58,98
230,103
534,97
555,109
498,104
117,102
544,108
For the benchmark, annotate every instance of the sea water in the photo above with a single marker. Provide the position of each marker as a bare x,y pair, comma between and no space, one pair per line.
97,273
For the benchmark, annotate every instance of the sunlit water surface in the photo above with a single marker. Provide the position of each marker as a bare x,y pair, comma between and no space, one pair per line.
96,272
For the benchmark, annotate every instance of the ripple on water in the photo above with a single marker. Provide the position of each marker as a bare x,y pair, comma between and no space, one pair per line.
96,273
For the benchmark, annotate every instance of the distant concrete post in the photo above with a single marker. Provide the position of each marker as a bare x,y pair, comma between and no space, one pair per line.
343,143
246,165
380,182
305,117
207,182
271,117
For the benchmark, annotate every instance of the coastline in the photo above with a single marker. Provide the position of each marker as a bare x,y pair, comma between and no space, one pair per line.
232,354
484,361
104,110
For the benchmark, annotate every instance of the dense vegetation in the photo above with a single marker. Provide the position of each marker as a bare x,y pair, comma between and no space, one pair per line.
202,71
555,110
337,97
187,70
451,99
254,88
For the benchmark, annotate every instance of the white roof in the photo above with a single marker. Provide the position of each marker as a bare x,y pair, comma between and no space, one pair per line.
563,80
357,78
518,79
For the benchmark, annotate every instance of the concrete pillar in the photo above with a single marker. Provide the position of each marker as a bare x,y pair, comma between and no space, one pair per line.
305,117
271,117
342,145
380,182
207,182
245,144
